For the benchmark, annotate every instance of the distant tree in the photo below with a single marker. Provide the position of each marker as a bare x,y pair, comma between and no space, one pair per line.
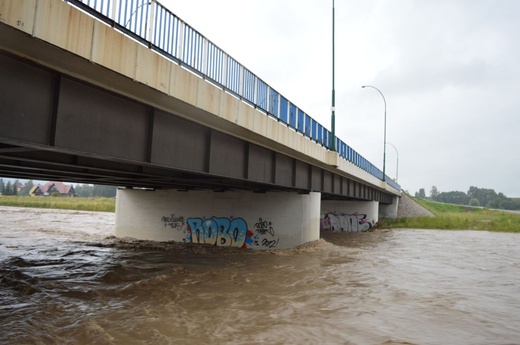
55,194
421,194
84,190
474,202
516,204
27,188
502,202
15,188
104,191
507,204
454,197
434,193
476,197
2,186
486,197
8,189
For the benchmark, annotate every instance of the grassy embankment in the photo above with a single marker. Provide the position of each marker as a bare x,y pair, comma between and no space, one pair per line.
459,217
82,204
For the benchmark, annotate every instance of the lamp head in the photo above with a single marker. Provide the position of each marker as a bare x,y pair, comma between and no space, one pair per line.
363,86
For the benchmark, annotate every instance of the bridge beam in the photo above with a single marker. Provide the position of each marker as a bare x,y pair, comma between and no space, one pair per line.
273,220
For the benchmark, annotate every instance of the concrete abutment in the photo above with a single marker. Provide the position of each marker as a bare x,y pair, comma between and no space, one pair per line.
389,210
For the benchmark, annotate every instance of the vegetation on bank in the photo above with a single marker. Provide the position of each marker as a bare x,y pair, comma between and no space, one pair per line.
474,197
82,204
458,217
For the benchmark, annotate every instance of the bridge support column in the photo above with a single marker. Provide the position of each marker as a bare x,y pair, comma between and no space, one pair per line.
239,219
389,210
348,215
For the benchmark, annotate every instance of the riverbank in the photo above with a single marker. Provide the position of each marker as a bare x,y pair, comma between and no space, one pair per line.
80,204
422,214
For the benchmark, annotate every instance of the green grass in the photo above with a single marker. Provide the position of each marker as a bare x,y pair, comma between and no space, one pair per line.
458,217
82,204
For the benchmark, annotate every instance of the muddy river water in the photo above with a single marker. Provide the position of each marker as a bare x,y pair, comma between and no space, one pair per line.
65,280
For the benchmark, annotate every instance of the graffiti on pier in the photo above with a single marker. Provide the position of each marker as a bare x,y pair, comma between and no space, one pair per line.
264,228
173,221
219,231
269,243
345,222
231,232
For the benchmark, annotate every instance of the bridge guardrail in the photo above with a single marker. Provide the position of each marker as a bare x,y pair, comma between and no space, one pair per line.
155,26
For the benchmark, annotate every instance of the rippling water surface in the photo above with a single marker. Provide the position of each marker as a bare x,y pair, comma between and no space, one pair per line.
64,280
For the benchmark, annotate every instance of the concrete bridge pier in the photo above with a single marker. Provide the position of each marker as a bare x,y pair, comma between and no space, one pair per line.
273,220
348,215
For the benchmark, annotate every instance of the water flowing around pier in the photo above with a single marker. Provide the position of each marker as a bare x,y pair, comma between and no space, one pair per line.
65,280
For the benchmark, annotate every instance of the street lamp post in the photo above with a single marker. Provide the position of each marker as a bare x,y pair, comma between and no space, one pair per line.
149,16
384,142
333,116
397,154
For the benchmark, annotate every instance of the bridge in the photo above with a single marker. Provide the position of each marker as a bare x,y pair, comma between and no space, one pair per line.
125,93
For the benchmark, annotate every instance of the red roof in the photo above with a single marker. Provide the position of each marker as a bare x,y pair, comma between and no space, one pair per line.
61,187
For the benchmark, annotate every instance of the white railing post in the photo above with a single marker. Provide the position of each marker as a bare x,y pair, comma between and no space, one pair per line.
224,69
205,57
255,91
115,4
241,81
180,43
151,17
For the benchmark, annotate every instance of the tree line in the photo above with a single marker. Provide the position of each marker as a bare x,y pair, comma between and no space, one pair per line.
475,196
84,190
89,190
9,188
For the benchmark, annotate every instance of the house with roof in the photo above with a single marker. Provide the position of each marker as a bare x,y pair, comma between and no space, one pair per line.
51,188
19,186
35,191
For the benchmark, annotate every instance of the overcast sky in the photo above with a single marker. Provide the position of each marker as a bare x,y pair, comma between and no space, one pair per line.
449,70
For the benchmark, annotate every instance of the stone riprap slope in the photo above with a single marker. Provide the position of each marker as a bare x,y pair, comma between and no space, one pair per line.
408,208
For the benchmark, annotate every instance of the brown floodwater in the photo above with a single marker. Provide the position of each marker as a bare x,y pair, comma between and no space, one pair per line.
65,280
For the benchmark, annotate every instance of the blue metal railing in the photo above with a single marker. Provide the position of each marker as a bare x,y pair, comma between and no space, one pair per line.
158,28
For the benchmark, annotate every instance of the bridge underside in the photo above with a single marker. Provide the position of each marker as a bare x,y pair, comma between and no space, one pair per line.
55,127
